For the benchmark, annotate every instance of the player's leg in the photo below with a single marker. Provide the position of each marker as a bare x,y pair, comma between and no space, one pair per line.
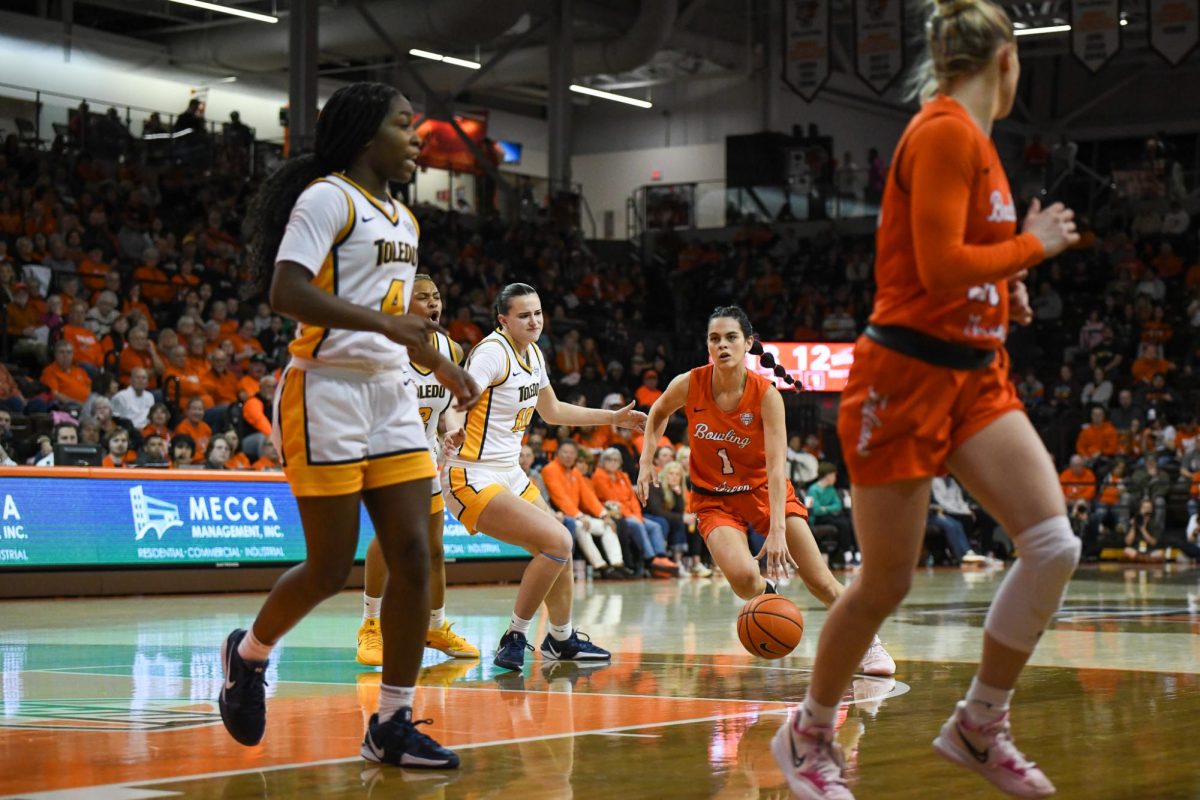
370,638
330,546
1006,468
441,635
563,642
403,538
727,544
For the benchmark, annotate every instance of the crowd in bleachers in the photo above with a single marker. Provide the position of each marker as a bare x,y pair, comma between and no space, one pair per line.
125,328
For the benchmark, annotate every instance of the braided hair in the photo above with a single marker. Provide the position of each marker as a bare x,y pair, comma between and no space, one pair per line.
736,314
345,126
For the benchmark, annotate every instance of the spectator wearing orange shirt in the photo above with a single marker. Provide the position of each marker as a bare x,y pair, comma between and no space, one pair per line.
119,454
1097,439
1157,330
139,351
268,458
193,425
190,382
220,315
197,352
220,384
237,458
88,353
248,383
24,316
160,417
156,286
583,514
185,279
648,392
245,344
464,330
93,268
1150,363
133,307
112,283
258,415
1078,482
613,487
68,383
1167,264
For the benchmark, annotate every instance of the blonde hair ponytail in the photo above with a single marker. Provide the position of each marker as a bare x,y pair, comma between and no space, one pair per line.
961,36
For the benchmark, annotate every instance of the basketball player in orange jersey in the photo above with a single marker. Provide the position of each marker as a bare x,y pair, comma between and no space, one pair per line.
929,390
433,400
738,471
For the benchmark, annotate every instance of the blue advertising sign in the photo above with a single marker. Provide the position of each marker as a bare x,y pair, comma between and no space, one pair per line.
150,521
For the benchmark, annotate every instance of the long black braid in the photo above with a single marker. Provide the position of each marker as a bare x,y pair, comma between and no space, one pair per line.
344,127
736,314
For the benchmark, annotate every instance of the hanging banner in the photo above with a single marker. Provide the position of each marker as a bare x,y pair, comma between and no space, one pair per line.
1095,31
1174,32
806,45
879,42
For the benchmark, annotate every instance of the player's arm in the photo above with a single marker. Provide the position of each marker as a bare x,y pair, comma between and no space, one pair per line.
656,424
775,443
556,412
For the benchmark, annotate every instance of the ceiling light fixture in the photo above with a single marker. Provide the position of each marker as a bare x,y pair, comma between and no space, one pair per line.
458,62
618,98
237,12
1039,31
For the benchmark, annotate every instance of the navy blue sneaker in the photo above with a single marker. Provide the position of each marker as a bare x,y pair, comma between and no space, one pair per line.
510,653
398,742
243,699
578,647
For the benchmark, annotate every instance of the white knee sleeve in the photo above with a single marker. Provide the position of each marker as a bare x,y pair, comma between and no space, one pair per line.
1034,588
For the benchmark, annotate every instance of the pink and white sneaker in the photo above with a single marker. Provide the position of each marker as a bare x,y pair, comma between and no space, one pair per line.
989,750
811,761
877,661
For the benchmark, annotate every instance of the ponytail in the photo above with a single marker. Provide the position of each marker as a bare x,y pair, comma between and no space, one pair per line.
961,36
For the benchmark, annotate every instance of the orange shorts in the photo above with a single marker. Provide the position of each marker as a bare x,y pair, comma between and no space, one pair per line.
901,418
743,510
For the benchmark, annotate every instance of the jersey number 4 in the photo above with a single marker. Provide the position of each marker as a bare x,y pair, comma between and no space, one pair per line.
726,465
393,301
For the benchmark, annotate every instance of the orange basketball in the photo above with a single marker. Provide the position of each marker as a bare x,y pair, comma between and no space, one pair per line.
770,626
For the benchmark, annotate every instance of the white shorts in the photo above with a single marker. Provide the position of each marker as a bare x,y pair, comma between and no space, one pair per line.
342,431
469,489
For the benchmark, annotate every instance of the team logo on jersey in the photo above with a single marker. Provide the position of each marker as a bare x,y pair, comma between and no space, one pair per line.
408,226
1003,209
746,418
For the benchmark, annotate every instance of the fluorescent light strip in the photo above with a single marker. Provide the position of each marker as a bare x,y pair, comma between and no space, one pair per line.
237,12
619,98
458,62
1038,31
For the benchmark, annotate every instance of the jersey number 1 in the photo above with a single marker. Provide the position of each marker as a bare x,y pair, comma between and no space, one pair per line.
726,466
393,301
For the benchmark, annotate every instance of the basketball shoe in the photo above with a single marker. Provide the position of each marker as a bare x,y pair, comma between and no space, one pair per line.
811,761
243,699
578,647
370,643
398,742
989,750
877,661
450,642
510,653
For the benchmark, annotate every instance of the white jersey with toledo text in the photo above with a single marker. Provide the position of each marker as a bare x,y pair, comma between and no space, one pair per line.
432,398
360,249
497,424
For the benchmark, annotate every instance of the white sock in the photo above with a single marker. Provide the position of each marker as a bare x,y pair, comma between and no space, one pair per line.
986,703
813,713
251,649
371,606
393,699
437,618
560,632
519,625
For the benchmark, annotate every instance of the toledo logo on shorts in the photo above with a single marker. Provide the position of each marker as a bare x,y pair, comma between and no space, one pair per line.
150,514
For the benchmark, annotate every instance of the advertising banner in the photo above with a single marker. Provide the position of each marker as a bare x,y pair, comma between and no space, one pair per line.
806,43
149,520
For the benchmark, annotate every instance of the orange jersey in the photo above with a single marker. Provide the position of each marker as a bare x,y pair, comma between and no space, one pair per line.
947,240
729,452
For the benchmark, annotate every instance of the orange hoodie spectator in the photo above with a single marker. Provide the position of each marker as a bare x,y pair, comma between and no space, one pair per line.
617,488
1077,481
258,411
1099,438
570,491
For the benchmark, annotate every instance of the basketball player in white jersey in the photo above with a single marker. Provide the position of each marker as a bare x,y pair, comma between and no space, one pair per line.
340,253
487,491
432,400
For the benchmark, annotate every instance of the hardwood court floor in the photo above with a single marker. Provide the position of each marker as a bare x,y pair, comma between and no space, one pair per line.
114,698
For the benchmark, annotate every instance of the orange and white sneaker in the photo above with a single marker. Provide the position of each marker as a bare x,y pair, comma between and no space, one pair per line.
811,761
877,661
370,643
450,642
989,750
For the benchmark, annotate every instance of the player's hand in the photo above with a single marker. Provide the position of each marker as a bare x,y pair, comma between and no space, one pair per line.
453,440
779,560
1054,226
646,477
1019,309
460,383
629,419
410,330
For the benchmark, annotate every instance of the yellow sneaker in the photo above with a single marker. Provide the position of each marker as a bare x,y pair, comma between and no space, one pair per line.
450,642
370,643
447,672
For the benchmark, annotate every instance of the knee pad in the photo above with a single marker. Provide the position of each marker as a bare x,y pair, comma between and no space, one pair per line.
1033,590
